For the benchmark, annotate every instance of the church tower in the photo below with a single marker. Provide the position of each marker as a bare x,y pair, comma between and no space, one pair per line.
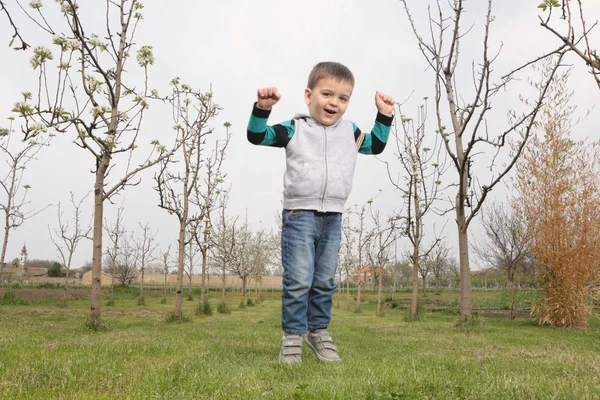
23,256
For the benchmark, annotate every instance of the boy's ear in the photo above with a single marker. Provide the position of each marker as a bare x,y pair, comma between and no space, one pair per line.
307,96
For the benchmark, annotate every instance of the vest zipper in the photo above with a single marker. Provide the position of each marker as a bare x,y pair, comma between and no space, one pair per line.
325,165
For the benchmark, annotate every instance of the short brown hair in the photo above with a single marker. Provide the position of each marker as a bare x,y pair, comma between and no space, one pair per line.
328,69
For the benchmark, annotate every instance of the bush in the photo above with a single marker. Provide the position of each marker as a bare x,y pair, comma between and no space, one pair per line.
54,270
95,326
420,313
48,285
110,302
171,318
242,303
469,324
141,301
163,300
223,308
205,309
250,302
10,298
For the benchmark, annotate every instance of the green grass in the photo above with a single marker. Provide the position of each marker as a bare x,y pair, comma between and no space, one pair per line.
47,352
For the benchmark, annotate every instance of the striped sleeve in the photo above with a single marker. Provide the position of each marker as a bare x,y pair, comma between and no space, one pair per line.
375,141
259,133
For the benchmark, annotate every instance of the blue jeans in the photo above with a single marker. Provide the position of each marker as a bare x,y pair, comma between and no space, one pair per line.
310,242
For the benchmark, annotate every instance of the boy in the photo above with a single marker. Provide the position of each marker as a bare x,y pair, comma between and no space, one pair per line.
321,151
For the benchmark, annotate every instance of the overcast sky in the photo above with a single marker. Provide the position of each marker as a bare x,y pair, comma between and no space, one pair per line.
239,46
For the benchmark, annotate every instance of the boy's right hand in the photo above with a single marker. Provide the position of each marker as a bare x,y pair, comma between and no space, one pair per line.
267,97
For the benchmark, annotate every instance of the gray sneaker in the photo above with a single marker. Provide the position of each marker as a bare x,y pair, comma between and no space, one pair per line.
291,349
321,343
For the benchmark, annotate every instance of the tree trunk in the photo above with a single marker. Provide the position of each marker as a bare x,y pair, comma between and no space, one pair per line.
67,275
347,294
512,294
96,296
244,281
203,250
379,282
465,272
142,285
7,211
358,296
191,271
259,288
165,288
224,281
112,287
4,244
180,261
424,285
414,313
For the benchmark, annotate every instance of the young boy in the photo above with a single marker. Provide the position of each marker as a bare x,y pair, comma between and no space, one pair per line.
321,151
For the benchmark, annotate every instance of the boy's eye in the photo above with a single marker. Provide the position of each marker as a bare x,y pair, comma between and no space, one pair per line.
344,99
326,94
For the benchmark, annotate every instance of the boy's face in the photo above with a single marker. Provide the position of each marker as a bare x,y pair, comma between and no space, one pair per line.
328,100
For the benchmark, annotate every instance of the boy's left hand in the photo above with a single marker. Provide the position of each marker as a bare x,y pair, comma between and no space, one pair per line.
384,103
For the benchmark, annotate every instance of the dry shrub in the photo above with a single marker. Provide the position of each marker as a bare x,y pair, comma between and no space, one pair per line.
559,192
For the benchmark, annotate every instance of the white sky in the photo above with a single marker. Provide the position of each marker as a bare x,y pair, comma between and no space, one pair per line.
239,46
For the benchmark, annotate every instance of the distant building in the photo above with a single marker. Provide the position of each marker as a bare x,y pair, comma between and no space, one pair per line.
367,273
23,259
22,271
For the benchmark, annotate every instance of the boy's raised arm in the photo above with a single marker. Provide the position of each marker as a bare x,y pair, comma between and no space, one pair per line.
259,132
375,141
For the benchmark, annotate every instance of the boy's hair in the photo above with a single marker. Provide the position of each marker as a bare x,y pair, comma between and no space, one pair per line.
329,69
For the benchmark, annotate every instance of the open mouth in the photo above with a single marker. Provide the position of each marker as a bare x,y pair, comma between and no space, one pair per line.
330,112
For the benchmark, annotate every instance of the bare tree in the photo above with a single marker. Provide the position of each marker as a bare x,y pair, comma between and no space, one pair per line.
15,204
578,32
420,186
145,248
191,254
362,239
504,244
166,265
224,243
107,109
349,258
125,268
425,268
66,238
469,129
192,111
207,196
439,262
115,233
242,264
381,238
261,256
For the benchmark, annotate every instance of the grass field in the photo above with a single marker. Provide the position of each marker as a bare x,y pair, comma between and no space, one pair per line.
47,352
